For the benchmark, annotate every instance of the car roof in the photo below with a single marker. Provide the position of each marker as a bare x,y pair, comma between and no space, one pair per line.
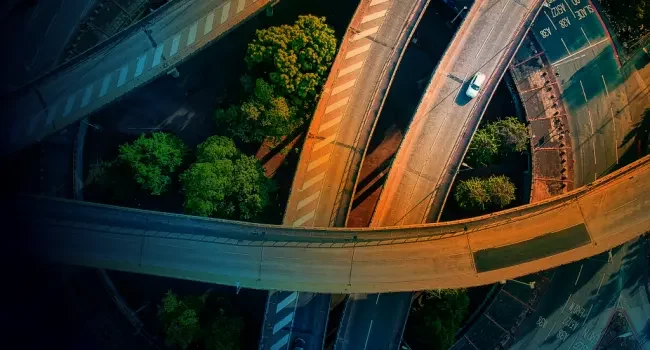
479,78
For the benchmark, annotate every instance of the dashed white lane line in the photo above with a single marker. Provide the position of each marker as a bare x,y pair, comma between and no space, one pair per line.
579,272
308,200
283,322
157,56
324,142
578,52
140,65
583,92
286,301
492,29
191,36
240,5
225,12
373,16
281,343
364,33
68,105
615,136
586,37
105,83
368,336
601,284
318,162
312,181
87,94
567,302
336,105
566,47
359,50
588,313
605,85
176,42
377,2
122,78
350,69
304,218
343,87
550,20
330,123
551,331
209,21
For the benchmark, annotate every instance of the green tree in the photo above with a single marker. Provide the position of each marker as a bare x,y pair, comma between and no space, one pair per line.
180,321
153,159
225,183
501,191
483,149
512,134
225,332
436,316
630,18
294,58
263,115
471,194
478,194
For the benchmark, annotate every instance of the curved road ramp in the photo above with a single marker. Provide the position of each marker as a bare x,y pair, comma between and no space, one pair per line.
477,251
132,58
441,130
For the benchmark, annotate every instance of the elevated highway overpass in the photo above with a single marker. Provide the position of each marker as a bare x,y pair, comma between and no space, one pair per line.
477,251
137,55
435,143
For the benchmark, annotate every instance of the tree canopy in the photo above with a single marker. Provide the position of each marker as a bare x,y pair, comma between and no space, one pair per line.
294,58
153,159
264,114
478,194
225,183
630,18
436,316
188,321
496,139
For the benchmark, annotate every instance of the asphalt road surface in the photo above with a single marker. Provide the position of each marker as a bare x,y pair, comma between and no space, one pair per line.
130,59
433,147
373,321
473,252
582,297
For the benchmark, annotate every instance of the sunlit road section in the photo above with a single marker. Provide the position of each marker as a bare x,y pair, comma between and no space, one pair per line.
120,64
445,120
477,251
348,109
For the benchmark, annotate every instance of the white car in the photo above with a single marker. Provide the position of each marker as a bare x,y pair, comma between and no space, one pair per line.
475,85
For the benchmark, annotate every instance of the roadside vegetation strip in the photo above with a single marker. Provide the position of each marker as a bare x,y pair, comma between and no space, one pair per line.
536,248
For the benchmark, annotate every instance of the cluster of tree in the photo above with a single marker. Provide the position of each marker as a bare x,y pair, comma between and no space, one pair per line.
436,316
222,183
186,322
477,194
497,139
630,18
287,67
225,183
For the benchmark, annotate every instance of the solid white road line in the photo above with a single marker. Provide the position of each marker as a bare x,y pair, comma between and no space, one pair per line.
577,278
605,84
281,343
570,9
191,36
336,105
350,69
304,219
343,87
566,47
308,200
225,12
550,20
330,123
586,37
318,162
209,21
283,322
601,283
359,50
312,181
579,51
286,301
368,336
176,42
